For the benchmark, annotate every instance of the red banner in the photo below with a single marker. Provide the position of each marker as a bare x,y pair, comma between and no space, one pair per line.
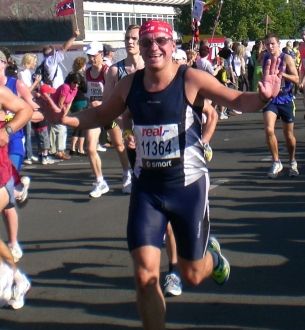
65,8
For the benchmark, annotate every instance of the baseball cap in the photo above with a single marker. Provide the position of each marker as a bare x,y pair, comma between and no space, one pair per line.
180,54
108,49
94,47
45,88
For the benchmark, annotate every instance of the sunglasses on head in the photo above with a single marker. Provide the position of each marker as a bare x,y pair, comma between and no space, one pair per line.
160,41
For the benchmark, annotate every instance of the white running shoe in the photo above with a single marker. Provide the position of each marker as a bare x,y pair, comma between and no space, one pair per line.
6,282
47,160
293,169
173,285
15,251
275,169
101,148
25,181
223,116
100,189
126,189
19,292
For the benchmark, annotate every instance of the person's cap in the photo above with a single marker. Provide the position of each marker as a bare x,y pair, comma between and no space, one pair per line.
94,48
2,57
180,54
45,88
108,49
152,26
228,42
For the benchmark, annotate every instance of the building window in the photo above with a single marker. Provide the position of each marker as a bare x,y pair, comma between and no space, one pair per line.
99,21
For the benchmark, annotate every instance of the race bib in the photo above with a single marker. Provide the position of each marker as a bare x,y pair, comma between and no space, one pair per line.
158,146
95,91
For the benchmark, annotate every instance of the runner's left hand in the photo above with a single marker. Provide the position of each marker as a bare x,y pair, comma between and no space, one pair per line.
270,84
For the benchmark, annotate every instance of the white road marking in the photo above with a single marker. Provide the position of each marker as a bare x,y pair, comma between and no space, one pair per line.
218,183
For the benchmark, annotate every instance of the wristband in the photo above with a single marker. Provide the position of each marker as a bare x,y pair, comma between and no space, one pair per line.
208,152
127,132
263,101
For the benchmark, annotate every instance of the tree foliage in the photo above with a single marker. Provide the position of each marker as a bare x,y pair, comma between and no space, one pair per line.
241,19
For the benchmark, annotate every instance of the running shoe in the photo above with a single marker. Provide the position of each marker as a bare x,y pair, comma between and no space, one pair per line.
15,251
19,292
100,189
293,169
101,148
47,160
223,116
126,189
173,285
23,188
6,281
222,271
275,169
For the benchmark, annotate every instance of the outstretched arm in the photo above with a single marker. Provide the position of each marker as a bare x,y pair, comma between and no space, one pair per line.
94,117
66,46
199,82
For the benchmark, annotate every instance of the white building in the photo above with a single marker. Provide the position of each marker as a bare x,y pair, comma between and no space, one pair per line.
107,21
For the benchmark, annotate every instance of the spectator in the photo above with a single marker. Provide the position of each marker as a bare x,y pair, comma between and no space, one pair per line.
180,56
28,63
78,104
63,97
203,63
53,71
108,55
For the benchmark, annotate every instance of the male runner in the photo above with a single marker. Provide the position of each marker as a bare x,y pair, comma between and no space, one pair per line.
16,153
13,284
95,77
171,180
283,106
132,63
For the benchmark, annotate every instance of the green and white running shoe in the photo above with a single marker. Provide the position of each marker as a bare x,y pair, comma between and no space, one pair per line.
222,272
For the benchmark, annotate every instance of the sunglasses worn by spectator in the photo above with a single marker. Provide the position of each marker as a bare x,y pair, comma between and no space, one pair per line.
161,41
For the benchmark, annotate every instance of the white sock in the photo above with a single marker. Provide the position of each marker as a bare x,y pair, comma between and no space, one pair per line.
100,179
125,173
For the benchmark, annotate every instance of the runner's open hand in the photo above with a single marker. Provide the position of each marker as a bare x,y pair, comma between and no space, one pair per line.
270,84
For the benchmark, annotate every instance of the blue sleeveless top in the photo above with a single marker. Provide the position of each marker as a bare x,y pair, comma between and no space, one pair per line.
168,131
121,70
16,142
285,95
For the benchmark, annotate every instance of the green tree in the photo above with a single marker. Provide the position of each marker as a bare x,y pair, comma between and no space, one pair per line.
241,19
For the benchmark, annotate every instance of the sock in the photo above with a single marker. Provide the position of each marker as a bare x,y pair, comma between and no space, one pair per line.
125,173
215,259
173,268
100,179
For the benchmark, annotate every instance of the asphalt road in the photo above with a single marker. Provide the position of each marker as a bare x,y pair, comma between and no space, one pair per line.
76,256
